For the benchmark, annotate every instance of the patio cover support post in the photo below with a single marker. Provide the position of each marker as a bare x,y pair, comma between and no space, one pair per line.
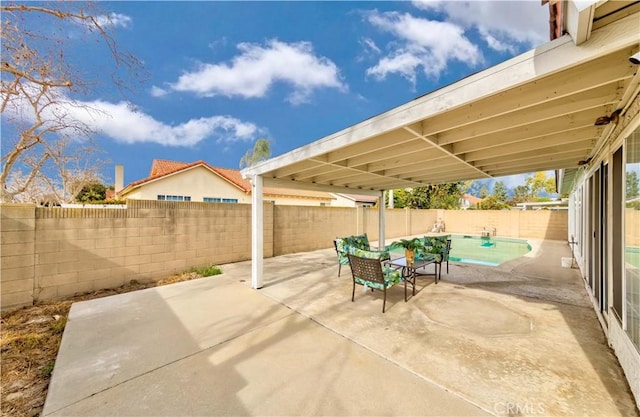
381,224
257,231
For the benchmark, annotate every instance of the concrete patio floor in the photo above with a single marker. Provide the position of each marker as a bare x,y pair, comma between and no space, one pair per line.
521,338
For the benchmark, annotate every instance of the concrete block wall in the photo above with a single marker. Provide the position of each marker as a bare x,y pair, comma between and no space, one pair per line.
538,224
303,229
544,224
396,223
49,253
17,249
370,221
421,221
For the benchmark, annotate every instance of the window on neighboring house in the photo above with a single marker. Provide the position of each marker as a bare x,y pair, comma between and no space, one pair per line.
162,197
220,200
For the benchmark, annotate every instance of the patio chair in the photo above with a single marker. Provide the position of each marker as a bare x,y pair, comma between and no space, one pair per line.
436,249
342,257
445,255
359,242
367,270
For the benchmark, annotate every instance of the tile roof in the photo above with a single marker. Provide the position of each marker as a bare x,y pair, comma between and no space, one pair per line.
472,199
163,166
234,176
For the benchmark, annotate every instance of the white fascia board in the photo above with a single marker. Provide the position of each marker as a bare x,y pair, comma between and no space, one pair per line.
547,59
579,19
299,185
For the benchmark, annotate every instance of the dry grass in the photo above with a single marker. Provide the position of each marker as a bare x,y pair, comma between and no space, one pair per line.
29,342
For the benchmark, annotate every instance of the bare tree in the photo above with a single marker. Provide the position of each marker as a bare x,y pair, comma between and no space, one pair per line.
45,143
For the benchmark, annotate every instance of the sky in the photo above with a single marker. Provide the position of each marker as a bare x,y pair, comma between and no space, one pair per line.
220,75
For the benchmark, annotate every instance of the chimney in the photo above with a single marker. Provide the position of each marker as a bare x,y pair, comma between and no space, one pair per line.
119,185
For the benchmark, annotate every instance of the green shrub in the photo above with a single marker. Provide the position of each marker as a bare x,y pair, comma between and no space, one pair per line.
48,368
207,270
58,325
634,205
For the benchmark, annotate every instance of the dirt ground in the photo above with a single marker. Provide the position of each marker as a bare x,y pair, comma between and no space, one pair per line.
29,342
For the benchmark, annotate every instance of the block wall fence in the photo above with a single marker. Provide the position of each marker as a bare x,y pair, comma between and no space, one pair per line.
49,253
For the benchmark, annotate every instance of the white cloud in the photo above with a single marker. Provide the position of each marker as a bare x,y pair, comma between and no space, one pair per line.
158,92
504,25
369,44
124,123
423,43
498,45
114,20
252,73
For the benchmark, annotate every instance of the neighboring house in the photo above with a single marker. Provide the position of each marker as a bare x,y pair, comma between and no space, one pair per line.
545,205
468,200
198,181
353,200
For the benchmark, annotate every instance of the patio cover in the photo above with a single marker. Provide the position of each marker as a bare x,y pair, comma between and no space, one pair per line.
534,112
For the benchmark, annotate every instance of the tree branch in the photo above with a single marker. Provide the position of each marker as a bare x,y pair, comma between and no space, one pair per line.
7,67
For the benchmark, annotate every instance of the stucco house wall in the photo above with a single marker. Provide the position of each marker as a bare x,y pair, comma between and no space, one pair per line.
198,182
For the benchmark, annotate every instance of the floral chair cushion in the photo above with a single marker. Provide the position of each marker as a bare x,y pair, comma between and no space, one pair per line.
359,241
370,254
433,248
359,246
342,248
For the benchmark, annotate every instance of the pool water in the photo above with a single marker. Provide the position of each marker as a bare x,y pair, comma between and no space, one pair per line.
483,250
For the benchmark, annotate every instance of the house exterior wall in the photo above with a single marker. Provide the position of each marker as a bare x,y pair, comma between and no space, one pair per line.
200,182
341,201
197,183
51,252
611,282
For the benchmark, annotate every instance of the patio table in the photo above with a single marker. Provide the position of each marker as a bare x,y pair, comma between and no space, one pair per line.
410,271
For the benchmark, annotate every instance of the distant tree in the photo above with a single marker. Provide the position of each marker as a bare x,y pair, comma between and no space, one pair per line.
500,191
446,196
439,196
539,183
37,79
632,185
418,198
400,197
521,194
491,202
483,192
465,186
72,174
261,151
92,192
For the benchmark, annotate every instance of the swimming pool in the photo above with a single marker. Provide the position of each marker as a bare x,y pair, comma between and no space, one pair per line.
489,251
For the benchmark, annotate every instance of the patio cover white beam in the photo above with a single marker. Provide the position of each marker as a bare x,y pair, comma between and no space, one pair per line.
534,112
547,93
